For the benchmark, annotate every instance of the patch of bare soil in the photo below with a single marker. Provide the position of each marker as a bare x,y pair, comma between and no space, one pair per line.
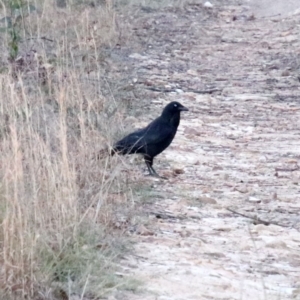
237,148
272,8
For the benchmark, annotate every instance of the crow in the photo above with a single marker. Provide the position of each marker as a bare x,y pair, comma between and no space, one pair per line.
153,139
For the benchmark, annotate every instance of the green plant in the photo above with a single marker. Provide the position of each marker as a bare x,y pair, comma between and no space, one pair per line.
14,21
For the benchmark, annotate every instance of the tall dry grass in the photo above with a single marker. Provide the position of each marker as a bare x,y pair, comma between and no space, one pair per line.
57,201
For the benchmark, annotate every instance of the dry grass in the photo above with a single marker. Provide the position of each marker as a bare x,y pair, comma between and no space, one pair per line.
57,202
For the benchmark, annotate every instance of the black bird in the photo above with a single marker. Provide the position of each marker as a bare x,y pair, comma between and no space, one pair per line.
153,139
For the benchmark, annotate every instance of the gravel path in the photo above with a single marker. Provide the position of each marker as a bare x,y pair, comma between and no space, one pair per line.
237,148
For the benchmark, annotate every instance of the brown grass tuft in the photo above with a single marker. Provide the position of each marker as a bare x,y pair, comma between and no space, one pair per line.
57,202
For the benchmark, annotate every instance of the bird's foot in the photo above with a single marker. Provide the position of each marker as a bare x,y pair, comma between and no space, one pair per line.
157,176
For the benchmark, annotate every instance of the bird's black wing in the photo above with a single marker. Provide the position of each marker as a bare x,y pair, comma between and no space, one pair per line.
158,131
131,143
154,134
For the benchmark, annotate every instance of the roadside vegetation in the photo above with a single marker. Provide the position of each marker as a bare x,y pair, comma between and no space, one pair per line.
61,208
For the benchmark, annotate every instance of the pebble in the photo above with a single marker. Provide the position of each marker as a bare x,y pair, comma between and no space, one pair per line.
254,200
207,4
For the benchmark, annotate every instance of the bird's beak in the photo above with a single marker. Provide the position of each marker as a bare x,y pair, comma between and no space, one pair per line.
182,108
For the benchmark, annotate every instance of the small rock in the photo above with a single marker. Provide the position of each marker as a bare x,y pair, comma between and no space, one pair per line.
259,228
157,101
241,189
192,72
207,4
254,200
185,233
227,39
192,131
215,254
251,97
251,17
142,230
217,168
223,229
276,245
286,33
137,56
178,171
262,159
207,200
286,39
285,73
270,228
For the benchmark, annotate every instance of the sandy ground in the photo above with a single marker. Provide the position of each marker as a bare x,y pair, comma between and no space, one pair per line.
238,147
263,8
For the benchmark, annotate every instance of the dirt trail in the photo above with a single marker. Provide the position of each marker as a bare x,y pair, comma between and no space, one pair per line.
238,147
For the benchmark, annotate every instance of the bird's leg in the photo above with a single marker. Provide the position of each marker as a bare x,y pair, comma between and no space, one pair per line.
149,168
149,163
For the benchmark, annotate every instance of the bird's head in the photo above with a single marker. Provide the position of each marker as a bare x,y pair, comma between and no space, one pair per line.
171,113
173,108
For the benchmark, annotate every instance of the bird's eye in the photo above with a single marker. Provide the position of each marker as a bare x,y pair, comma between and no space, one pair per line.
175,105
